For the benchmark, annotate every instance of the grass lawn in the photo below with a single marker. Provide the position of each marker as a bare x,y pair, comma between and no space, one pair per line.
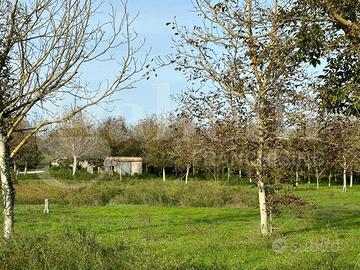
323,234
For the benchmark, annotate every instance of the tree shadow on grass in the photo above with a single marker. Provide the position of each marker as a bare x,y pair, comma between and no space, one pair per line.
147,221
335,217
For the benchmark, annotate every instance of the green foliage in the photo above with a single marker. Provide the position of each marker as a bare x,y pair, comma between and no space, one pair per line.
328,30
341,90
64,173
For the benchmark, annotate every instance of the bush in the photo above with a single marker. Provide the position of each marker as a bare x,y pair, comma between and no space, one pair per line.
194,194
98,194
76,250
63,173
35,192
171,193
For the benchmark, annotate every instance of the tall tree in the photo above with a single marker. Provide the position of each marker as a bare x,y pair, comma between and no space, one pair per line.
240,51
44,47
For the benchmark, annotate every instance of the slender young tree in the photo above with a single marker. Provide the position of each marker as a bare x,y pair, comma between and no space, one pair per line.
185,144
241,51
154,136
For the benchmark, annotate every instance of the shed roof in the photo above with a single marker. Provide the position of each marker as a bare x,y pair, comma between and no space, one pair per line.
123,159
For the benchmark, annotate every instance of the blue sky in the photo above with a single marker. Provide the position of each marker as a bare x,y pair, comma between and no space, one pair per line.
152,96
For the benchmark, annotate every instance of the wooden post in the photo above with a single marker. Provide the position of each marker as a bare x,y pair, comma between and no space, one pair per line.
46,208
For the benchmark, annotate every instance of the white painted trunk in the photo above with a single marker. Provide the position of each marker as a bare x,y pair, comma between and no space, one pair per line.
264,223
263,213
8,192
330,176
74,166
344,181
25,169
351,178
297,179
317,179
228,175
163,174
46,206
240,173
270,222
187,174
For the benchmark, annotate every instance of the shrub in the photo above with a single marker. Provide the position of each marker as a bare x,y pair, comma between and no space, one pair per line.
97,194
78,249
194,194
171,193
63,173
73,250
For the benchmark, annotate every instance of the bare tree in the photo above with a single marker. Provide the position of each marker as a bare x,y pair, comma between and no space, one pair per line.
154,136
185,144
76,139
44,47
241,51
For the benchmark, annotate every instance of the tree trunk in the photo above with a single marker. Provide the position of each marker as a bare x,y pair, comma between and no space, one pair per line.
228,175
317,178
25,169
344,181
264,229
187,174
351,178
163,174
330,176
309,177
46,206
240,173
8,191
270,222
263,213
296,179
74,166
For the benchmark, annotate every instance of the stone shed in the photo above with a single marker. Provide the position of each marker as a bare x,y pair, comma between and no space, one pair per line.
123,165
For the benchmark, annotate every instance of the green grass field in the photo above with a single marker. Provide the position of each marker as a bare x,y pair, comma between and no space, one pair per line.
322,234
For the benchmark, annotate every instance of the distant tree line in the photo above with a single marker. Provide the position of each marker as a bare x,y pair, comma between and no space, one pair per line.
314,149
